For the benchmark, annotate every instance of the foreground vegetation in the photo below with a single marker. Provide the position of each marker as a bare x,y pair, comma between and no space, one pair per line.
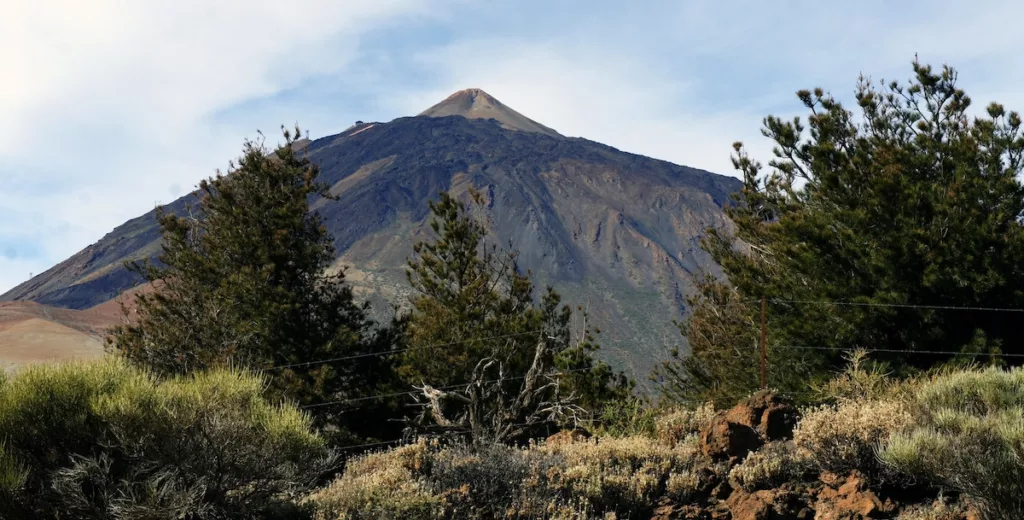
937,447
105,440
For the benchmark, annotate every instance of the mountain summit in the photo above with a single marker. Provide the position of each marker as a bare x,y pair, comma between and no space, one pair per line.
473,103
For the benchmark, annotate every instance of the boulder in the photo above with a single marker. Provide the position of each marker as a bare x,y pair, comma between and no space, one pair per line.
670,510
754,421
771,504
724,439
772,415
749,506
852,501
567,437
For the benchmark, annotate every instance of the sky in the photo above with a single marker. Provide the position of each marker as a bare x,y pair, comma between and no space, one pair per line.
109,107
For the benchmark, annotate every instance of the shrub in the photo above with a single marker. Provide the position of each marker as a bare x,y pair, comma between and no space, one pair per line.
679,424
578,479
846,436
774,464
423,481
970,438
380,485
940,509
493,481
623,474
12,475
625,418
105,440
862,379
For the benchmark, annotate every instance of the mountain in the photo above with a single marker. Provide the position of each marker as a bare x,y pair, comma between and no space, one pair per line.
616,233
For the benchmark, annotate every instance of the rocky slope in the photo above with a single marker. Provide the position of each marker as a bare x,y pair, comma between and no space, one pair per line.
617,233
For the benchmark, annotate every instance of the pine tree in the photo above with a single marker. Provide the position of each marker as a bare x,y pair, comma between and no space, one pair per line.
242,280
472,303
912,204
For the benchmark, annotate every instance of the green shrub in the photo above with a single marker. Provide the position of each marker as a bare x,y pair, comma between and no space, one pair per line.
969,437
625,418
861,379
846,437
105,440
13,475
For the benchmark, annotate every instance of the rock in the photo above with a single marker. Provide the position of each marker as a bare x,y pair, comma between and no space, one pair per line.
852,501
754,421
567,437
668,509
748,506
720,512
770,504
692,512
831,479
725,439
722,490
773,416
778,422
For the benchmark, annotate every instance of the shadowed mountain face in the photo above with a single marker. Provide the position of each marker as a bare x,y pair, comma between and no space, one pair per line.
616,233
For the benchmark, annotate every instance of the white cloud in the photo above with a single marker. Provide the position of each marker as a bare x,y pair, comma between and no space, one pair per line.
110,101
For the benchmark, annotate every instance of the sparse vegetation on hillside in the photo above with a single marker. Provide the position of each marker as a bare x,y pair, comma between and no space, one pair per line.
573,479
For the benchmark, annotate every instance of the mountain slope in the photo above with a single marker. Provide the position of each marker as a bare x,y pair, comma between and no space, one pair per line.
615,232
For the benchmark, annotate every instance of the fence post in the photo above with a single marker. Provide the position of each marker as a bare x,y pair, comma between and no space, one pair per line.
764,347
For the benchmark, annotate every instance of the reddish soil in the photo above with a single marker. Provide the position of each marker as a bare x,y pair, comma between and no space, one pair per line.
34,333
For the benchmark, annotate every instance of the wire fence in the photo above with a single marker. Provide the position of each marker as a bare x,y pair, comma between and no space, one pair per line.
400,350
898,305
442,388
768,348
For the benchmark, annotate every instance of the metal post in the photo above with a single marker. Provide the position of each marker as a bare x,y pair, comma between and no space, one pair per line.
764,348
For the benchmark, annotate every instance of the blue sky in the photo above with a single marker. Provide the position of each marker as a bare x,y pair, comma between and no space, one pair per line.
108,107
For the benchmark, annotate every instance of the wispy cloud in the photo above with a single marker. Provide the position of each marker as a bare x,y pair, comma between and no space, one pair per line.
109,107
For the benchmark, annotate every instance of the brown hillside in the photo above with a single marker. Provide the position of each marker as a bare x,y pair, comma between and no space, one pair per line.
34,333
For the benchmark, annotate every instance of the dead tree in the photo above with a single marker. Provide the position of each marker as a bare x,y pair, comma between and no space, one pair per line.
496,406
